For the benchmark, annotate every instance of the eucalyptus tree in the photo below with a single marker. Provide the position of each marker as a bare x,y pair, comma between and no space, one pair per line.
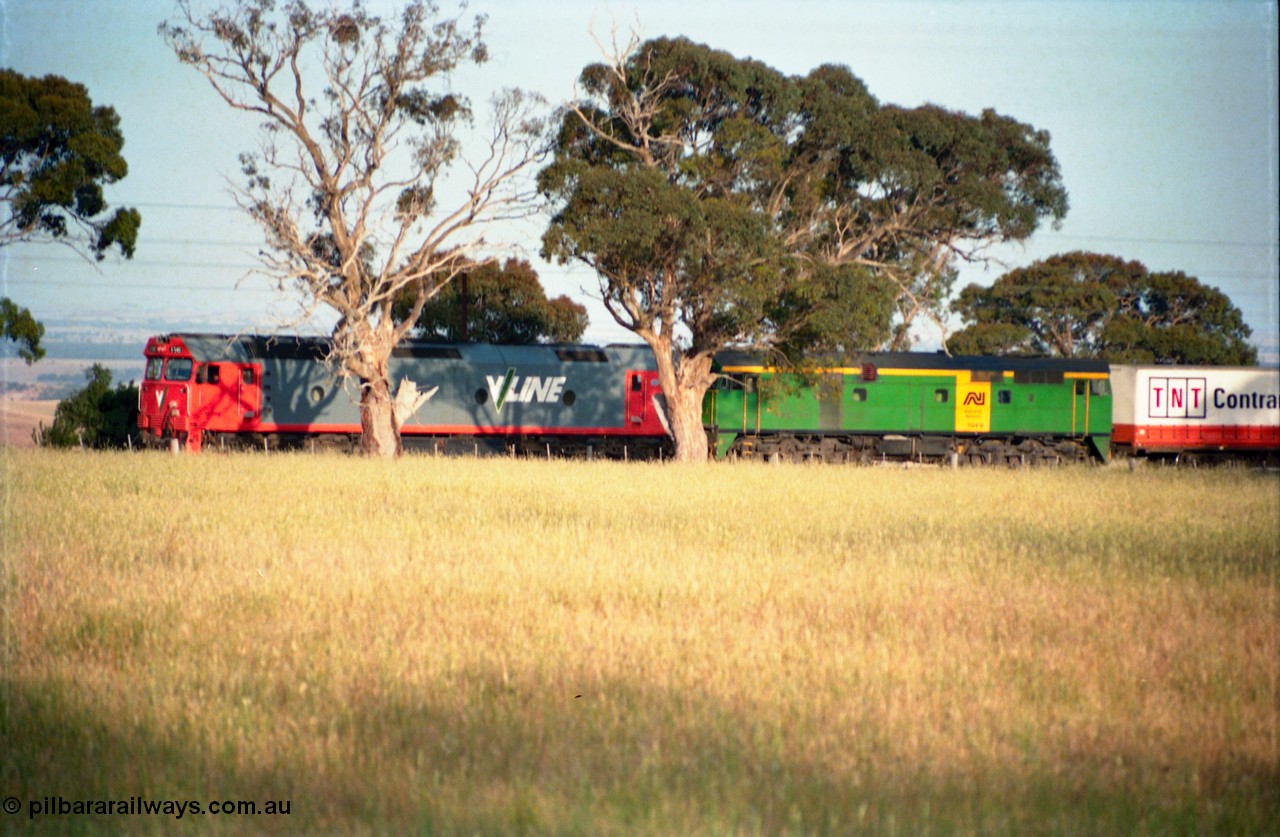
498,303
360,132
1083,304
17,325
909,192
99,416
57,152
654,177
721,202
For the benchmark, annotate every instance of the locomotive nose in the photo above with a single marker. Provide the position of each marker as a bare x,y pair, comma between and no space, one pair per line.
159,405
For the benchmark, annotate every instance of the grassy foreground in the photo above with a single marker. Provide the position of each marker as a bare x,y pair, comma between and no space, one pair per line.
497,647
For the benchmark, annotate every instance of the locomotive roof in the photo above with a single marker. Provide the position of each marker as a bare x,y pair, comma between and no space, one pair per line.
928,360
304,347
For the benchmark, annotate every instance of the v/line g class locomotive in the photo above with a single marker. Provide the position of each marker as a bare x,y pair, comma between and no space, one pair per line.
205,389
570,400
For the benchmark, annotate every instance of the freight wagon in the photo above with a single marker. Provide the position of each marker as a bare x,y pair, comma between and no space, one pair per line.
1196,412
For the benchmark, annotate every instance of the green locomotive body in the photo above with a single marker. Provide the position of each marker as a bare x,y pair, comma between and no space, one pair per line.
916,407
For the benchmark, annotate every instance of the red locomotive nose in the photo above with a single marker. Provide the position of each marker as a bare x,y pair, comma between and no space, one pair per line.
163,409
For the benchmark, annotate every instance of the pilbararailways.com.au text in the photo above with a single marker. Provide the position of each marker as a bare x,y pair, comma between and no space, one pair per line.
55,806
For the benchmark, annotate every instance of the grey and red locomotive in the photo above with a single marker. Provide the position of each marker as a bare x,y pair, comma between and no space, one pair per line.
279,391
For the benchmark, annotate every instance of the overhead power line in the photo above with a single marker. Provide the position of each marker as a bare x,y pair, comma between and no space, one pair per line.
1196,242
1204,276
265,286
201,206
133,286
1190,242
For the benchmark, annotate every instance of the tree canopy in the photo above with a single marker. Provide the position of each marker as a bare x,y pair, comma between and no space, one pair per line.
361,129
721,202
498,303
18,325
1091,305
98,416
57,151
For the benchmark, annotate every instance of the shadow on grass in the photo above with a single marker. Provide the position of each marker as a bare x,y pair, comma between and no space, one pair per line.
503,759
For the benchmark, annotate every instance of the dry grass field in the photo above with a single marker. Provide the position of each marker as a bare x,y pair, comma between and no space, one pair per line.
501,647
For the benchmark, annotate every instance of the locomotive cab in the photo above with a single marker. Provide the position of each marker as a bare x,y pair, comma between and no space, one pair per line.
164,398
184,397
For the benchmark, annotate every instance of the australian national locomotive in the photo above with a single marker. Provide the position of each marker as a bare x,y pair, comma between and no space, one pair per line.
977,410
570,400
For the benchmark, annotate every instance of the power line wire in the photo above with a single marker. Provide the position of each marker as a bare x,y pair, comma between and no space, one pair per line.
1192,242
1196,242
258,289
200,206
59,258
57,283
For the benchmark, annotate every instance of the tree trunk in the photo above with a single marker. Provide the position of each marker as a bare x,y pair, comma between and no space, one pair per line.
684,382
379,435
684,412
371,365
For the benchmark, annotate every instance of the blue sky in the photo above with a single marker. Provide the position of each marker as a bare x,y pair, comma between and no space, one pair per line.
1163,117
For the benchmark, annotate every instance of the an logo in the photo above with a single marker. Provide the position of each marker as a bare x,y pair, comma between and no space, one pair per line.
159,398
973,407
514,389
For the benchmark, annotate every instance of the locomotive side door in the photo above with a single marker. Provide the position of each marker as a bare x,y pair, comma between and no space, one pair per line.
915,405
637,402
751,404
635,398
217,400
1079,408
643,413
250,392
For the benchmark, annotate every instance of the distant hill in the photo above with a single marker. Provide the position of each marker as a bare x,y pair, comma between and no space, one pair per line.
19,418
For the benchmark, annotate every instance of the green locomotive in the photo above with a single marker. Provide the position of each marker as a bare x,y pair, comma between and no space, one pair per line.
912,407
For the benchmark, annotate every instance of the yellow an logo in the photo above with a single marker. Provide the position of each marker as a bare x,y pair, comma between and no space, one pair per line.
973,407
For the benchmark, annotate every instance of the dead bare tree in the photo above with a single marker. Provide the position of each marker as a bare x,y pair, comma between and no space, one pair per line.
348,184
